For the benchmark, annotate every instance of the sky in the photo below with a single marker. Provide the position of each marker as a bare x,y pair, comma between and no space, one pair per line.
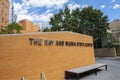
40,11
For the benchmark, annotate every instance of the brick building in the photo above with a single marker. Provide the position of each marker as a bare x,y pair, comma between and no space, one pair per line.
4,13
28,26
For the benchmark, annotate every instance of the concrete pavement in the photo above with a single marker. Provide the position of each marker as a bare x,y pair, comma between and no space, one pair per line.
113,72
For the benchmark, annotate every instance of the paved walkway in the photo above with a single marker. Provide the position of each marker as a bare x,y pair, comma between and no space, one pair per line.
113,72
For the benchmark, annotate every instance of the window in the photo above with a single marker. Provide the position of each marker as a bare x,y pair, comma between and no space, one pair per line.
2,5
2,12
5,22
5,14
2,20
7,1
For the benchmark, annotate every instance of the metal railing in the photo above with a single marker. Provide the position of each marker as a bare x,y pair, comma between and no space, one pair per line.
42,76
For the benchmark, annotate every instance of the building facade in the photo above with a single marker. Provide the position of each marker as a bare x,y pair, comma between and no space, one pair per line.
115,28
28,26
4,13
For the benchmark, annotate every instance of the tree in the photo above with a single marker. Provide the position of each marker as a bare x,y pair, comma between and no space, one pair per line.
66,19
86,21
63,21
94,23
56,21
15,26
76,20
12,28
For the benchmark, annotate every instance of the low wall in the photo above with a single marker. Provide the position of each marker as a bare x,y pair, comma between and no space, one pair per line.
52,53
118,50
105,52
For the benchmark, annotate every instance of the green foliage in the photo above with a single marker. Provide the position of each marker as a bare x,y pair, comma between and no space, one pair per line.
94,22
47,30
12,28
108,45
112,41
86,21
56,21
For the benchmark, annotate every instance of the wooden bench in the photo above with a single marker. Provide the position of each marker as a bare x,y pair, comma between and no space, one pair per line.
80,70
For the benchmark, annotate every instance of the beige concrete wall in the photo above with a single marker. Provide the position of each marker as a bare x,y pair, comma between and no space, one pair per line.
19,58
105,52
117,50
